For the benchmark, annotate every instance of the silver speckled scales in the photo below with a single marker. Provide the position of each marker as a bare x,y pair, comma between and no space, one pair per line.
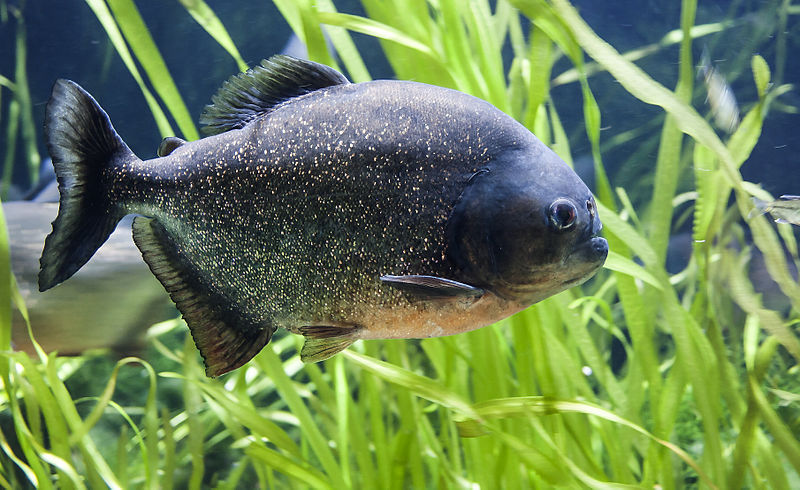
291,220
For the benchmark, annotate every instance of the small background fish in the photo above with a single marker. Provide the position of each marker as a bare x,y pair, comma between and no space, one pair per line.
719,96
784,210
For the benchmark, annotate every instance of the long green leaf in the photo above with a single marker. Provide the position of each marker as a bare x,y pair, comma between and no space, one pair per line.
23,96
527,406
281,463
678,36
209,21
419,385
376,29
107,21
272,366
12,134
344,45
148,55
619,263
669,148
5,292
627,235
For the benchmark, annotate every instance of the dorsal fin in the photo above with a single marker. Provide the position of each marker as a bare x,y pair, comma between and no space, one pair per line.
257,91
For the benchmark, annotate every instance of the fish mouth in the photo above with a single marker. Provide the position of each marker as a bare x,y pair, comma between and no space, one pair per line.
591,254
575,269
598,247
592,248
592,251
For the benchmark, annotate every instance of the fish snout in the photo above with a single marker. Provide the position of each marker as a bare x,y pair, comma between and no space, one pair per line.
599,248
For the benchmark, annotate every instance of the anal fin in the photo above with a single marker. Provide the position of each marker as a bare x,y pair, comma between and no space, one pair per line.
225,338
325,341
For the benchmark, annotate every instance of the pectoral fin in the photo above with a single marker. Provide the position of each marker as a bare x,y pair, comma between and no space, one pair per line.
323,342
432,288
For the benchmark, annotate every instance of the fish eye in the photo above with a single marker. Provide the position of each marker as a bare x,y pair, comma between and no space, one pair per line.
563,214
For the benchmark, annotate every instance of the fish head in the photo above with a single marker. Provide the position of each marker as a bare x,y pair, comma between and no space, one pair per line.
526,227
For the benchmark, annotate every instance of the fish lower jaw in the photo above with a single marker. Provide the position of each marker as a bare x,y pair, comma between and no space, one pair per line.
531,294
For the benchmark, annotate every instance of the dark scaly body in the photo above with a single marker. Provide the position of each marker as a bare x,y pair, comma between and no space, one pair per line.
326,200
338,211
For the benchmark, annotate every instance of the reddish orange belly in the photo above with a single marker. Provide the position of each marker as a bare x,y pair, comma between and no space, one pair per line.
435,318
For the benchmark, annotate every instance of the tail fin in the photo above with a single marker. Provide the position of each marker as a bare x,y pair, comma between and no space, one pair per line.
83,144
761,207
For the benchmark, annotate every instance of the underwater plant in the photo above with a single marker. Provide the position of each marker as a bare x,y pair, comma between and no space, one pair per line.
646,376
18,127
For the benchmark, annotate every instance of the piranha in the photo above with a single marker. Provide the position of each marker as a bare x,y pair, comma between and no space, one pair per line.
338,211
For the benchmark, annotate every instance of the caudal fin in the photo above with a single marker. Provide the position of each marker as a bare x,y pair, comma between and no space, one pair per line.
761,207
82,144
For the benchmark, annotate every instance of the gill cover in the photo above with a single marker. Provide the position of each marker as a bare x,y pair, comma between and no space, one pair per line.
516,226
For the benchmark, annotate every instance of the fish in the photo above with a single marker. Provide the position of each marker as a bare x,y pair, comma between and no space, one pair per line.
337,211
720,96
784,210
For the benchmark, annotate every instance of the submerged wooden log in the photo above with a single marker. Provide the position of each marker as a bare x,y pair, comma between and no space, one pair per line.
109,303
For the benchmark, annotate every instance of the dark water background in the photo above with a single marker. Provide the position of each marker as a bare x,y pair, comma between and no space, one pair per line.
65,40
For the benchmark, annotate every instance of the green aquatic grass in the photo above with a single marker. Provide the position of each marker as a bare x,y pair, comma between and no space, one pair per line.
206,17
702,389
22,96
5,290
138,37
19,126
116,38
12,131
